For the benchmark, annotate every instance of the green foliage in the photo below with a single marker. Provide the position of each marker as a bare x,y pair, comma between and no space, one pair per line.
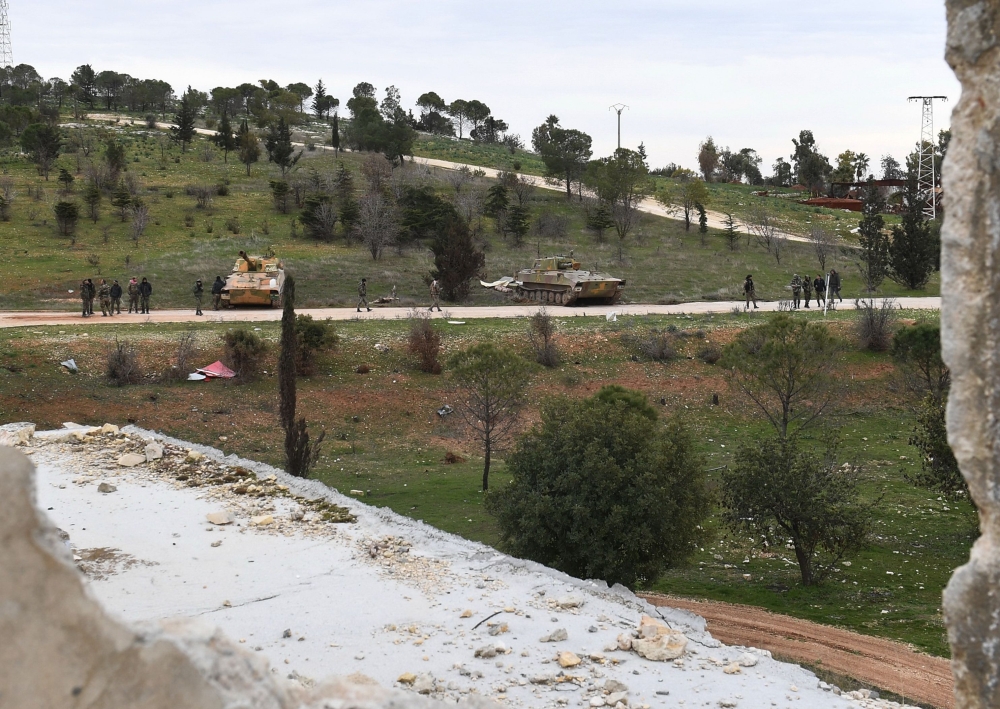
184,132
248,146
785,367
66,179
602,490
425,344
457,260
67,215
914,252
518,222
245,353
916,351
564,151
731,234
121,199
424,213
621,182
115,157
938,468
779,491
313,336
279,195
633,400
493,381
224,137
874,263
92,197
541,333
319,216
497,200
300,453
811,167
279,147
42,143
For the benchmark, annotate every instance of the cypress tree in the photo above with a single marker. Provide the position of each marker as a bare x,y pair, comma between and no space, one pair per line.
874,264
183,132
224,138
300,454
279,147
913,252
335,135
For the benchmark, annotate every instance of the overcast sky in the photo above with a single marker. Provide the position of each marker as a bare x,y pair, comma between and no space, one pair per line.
752,73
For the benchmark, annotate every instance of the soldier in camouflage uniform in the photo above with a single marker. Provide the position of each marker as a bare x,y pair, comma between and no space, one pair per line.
116,297
435,296
796,291
133,295
91,293
84,296
104,294
199,293
807,286
750,291
363,294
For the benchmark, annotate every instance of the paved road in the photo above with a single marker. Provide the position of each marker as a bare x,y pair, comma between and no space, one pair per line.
18,318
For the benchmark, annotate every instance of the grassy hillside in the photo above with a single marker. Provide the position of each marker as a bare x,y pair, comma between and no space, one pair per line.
662,262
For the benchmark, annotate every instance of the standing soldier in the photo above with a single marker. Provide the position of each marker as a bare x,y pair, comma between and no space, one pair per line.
835,285
116,298
750,292
133,295
807,286
84,296
199,293
819,285
104,294
363,294
435,296
91,293
796,291
217,292
145,290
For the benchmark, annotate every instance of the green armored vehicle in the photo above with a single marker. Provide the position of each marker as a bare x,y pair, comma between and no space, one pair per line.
255,280
559,280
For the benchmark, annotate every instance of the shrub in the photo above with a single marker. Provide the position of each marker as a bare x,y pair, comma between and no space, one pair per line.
709,354
233,225
202,195
182,359
313,336
938,468
654,344
602,490
123,364
541,332
551,225
876,323
67,215
425,343
244,353
222,189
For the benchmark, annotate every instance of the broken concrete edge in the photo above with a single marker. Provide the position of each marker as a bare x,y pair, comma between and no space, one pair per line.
690,624
61,648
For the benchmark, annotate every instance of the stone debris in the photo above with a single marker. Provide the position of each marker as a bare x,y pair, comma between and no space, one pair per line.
658,642
106,488
153,451
130,460
748,659
407,678
568,659
466,614
567,602
219,518
109,429
556,636
16,434
733,668
261,520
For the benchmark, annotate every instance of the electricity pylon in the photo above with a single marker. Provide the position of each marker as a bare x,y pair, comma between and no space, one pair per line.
617,108
6,53
926,171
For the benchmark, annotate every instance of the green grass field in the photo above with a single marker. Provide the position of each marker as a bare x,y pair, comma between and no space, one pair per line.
661,262
384,437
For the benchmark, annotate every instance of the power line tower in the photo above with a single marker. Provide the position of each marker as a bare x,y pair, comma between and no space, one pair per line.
6,53
617,108
926,172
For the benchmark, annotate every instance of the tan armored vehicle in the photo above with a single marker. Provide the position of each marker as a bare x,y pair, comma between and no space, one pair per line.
255,280
559,280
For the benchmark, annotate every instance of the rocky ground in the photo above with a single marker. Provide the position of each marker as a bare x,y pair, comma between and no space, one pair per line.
322,585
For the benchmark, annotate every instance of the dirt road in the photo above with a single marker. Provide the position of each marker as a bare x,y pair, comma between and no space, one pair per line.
25,318
881,663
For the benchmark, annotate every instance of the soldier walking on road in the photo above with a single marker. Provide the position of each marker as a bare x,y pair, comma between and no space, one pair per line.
835,285
435,296
104,294
796,291
363,294
807,286
84,296
199,293
819,285
750,292
217,292
133,295
116,298
145,290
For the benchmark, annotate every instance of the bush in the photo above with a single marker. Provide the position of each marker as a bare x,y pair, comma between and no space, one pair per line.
244,353
709,354
602,490
123,364
67,215
222,189
313,336
182,360
425,343
876,323
551,225
938,468
654,344
541,332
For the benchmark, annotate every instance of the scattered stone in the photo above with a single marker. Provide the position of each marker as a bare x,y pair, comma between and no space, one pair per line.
556,636
568,659
407,678
624,641
727,703
498,629
569,601
658,642
486,652
130,460
597,702
154,451
217,543
424,683
296,513
261,520
596,657
466,614
613,685
106,487
194,457
542,679
287,633
109,429
733,668
617,698
219,518
592,629
748,659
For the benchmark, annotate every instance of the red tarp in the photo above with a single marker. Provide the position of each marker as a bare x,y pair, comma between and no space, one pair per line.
217,369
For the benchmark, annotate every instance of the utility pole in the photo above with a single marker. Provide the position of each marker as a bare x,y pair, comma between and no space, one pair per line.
617,108
926,172
6,53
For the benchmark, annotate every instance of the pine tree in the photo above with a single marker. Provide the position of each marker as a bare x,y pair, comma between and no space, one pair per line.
874,263
345,198
279,147
335,135
122,199
248,146
92,198
914,250
224,138
702,221
184,132
457,260
319,99
518,223
732,235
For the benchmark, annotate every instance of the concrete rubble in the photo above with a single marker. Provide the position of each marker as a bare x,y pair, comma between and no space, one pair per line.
327,585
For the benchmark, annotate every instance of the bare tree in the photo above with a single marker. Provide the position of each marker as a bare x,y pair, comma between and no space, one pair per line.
824,245
377,171
761,223
522,188
470,203
140,220
778,245
458,178
377,224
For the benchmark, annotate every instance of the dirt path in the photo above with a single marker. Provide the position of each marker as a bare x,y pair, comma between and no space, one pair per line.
716,220
882,663
25,318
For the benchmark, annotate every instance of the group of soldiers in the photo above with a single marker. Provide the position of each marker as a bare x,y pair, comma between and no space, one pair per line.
199,294
109,296
800,285
435,289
